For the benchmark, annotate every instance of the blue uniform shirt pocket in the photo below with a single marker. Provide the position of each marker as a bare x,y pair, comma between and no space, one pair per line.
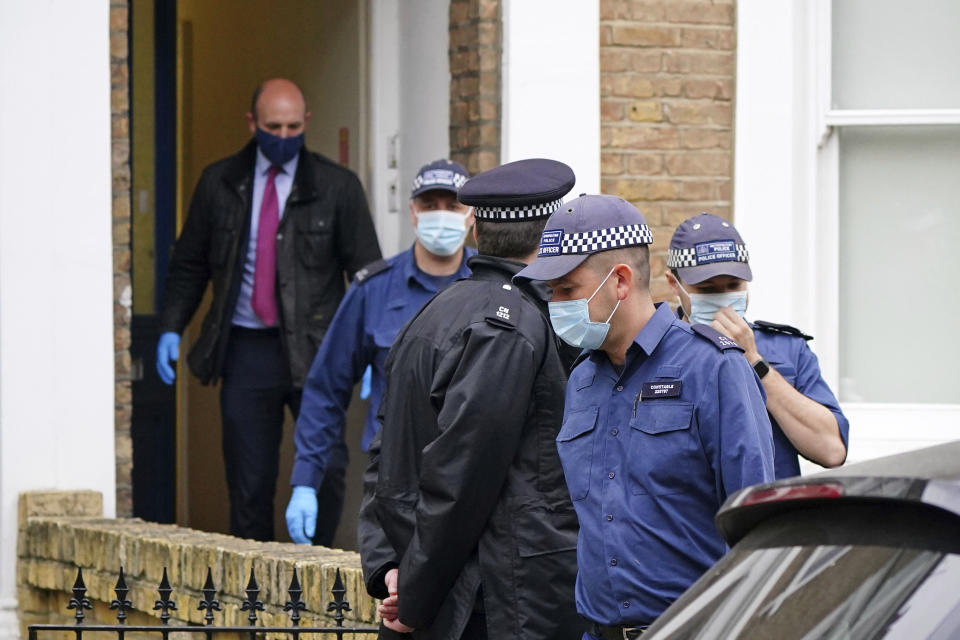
575,447
664,450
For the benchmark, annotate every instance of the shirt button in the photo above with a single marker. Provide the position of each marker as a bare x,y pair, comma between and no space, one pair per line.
609,517
613,562
626,605
619,387
611,475
614,431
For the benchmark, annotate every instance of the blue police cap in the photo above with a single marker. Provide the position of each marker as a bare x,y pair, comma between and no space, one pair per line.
705,246
443,174
518,191
582,227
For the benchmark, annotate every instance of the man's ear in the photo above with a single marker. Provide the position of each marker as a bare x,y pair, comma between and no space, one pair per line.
626,278
413,214
672,281
251,123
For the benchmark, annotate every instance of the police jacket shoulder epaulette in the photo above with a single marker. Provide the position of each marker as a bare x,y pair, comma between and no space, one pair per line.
773,327
504,307
371,270
715,338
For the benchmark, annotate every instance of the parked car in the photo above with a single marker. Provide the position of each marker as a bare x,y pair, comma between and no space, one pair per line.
867,551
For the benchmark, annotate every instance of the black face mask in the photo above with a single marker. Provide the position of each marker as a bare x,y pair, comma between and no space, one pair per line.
278,150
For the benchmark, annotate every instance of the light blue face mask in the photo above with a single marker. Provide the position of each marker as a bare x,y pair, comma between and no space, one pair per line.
571,321
441,232
703,306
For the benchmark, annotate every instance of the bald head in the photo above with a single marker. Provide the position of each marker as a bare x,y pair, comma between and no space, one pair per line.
278,107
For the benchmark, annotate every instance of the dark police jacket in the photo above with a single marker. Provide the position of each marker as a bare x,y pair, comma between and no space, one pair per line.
465,488
325,232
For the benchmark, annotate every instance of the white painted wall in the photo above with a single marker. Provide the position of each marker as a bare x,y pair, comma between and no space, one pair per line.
409,106
551,85
56,299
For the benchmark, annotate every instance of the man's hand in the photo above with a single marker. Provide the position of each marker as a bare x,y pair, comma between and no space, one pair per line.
734,327
391,605
168,350
302,514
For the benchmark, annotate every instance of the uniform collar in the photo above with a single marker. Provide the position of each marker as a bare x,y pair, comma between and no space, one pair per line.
656,327
412,273
493,268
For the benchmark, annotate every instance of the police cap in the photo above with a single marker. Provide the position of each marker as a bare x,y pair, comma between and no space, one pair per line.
705,246
584,226
518,191
443,174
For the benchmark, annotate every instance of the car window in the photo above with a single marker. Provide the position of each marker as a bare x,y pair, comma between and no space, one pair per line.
821,591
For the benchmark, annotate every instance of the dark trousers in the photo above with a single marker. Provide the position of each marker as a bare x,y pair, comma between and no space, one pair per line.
256,388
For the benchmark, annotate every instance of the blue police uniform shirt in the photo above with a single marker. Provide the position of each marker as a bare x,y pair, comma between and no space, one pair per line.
649,454
794,360
368,319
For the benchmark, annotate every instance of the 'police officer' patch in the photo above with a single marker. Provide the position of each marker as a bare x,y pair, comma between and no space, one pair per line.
550,242
716,251
665,389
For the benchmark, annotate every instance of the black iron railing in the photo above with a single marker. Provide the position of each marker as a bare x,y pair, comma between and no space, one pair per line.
209,603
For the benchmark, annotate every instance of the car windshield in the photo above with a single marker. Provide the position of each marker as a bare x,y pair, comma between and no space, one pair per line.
822,592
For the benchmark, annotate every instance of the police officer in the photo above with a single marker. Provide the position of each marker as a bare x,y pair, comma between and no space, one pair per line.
709,273
384,296
467,529
663,420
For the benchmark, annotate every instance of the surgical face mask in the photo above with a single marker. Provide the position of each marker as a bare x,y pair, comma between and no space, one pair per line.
441,232
703,306
278,150
571,321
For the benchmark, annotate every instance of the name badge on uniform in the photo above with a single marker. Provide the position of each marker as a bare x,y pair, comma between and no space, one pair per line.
666,389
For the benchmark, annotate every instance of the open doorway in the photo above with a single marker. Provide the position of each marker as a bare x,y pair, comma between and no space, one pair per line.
190,98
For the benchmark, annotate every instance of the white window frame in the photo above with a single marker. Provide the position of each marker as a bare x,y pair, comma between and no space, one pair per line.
786,199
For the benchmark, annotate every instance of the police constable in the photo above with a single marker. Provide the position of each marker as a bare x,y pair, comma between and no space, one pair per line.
467,529
663,420
385,294
709,273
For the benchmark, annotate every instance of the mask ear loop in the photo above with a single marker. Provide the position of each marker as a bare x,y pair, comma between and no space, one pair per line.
680,286
616,306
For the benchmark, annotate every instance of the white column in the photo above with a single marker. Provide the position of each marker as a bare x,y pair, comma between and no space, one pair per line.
56,273
551,85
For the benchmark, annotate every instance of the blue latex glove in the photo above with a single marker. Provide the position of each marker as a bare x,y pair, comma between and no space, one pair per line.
168,349
302,514
366,382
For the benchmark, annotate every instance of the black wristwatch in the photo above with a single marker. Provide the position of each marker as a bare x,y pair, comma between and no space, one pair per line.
761,367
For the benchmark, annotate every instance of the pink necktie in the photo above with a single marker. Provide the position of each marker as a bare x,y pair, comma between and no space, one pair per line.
264,301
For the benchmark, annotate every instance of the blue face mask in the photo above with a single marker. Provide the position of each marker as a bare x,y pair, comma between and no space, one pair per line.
441,232
278,150
703,306
571,321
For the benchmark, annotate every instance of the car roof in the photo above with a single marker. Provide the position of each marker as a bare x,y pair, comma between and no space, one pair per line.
937,462
926,479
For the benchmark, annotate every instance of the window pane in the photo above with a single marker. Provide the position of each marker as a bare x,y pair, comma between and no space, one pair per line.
899,264
896,54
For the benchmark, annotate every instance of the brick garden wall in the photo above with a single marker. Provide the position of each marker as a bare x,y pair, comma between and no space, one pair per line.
63,530
475,52
666,90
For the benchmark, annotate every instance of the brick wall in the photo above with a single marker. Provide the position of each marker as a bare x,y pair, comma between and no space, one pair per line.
61,531
475,51
666,90
122,293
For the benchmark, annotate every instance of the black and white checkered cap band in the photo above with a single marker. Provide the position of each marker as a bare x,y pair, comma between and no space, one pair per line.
525,212
603,239
680,258
442,177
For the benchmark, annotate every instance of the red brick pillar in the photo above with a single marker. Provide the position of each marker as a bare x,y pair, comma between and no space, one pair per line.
666,89
475,53
122,293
